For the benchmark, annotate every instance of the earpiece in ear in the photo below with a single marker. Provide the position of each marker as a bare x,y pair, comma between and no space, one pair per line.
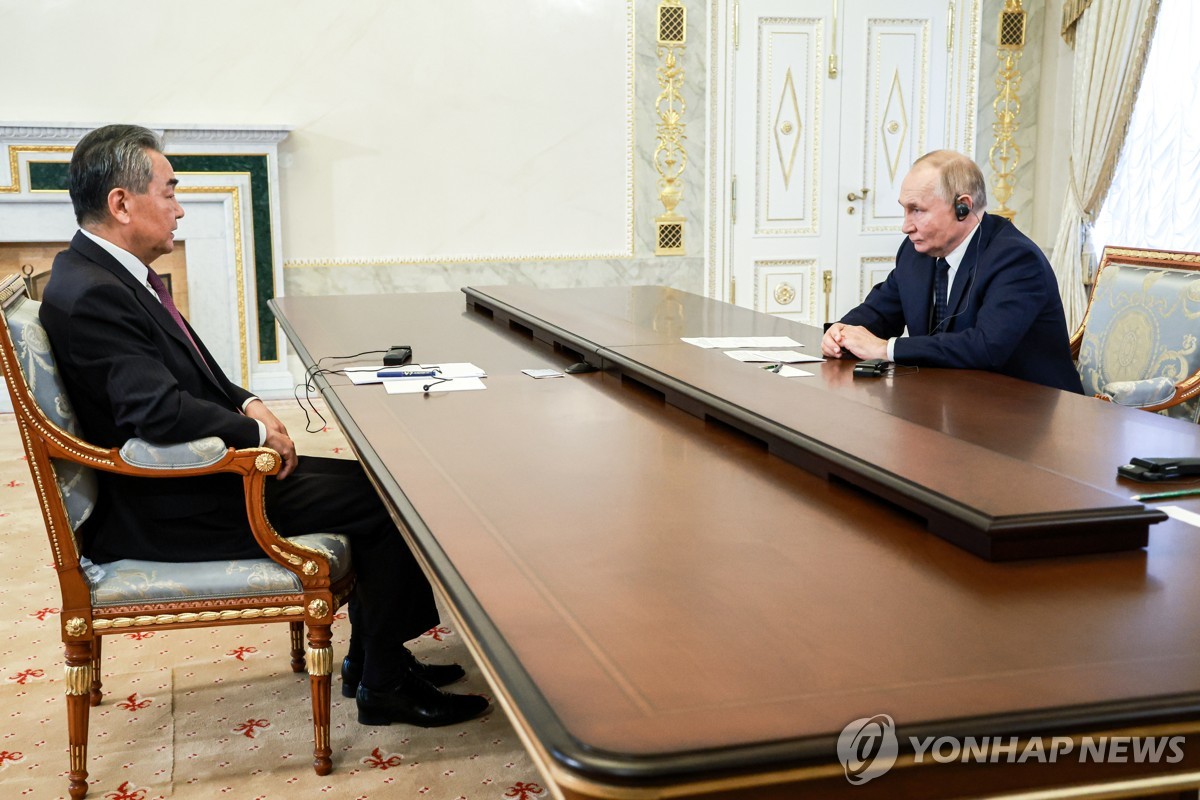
961,209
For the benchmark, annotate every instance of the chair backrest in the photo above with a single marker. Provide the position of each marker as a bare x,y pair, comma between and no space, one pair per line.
39,396
1143,321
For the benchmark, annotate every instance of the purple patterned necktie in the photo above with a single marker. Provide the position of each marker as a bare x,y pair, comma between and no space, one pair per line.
165,297
940,285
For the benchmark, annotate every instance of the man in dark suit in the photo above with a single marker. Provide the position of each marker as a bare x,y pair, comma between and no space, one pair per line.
972,290
132,366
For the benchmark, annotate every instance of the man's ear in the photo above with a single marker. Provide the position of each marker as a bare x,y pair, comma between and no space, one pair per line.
118,205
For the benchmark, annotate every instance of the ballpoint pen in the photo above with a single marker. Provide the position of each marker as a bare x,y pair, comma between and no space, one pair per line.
774,367
408,373
1165,495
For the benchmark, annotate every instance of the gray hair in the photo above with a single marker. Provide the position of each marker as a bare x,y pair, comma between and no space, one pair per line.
115,156
958,175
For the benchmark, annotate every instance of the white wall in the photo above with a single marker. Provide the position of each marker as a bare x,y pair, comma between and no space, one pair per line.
471,128
434,144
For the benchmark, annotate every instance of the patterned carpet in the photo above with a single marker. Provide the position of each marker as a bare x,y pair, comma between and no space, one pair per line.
209,713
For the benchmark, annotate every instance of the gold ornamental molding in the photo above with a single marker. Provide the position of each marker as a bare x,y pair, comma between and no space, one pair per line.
193,617
78,680
264,462
788,121
670,156
1121,252
1004,154
895,128
14,153
291,558
319,661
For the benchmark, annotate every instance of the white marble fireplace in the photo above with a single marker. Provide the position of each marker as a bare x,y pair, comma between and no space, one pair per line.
232,237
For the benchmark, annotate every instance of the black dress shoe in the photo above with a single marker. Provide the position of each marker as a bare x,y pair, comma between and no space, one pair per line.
417,702
437,674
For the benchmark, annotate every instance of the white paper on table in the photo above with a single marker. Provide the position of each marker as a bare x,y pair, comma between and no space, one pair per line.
791,372
1181,514
455,369
771,356
361,375
435,385
710,342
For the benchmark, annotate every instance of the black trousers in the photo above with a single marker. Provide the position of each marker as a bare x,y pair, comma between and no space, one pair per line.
393,601
204,519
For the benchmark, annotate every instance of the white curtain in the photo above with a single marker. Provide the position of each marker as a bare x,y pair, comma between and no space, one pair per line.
1112,38
1153,200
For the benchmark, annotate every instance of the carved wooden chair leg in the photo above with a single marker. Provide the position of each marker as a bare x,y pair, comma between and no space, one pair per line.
96,694
297,631
320,665
78,687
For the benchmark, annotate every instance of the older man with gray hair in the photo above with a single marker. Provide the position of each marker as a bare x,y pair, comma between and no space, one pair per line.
972,291
133,366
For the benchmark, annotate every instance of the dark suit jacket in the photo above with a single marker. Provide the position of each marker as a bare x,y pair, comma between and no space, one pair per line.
1004,313
130,371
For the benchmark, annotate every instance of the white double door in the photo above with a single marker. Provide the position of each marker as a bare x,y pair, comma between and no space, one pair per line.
831,101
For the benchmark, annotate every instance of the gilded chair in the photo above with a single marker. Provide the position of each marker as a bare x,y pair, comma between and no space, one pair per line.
301,581
1137,345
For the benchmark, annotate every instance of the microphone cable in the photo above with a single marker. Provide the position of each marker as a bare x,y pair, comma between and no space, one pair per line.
309,385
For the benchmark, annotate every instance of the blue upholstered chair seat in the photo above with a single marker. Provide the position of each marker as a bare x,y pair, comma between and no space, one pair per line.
134,581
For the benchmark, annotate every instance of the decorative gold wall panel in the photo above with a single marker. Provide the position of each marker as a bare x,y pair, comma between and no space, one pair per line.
1004,154
670,155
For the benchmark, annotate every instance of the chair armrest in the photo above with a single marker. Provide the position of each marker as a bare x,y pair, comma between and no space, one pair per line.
196,454
210,455
1140,394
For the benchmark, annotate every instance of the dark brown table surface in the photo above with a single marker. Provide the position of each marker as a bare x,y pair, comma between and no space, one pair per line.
1032,512
659,601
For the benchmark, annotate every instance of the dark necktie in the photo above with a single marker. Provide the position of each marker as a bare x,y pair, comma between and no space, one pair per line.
164,296
940,286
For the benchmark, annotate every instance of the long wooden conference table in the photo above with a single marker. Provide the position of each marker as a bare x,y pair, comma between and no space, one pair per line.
677,585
